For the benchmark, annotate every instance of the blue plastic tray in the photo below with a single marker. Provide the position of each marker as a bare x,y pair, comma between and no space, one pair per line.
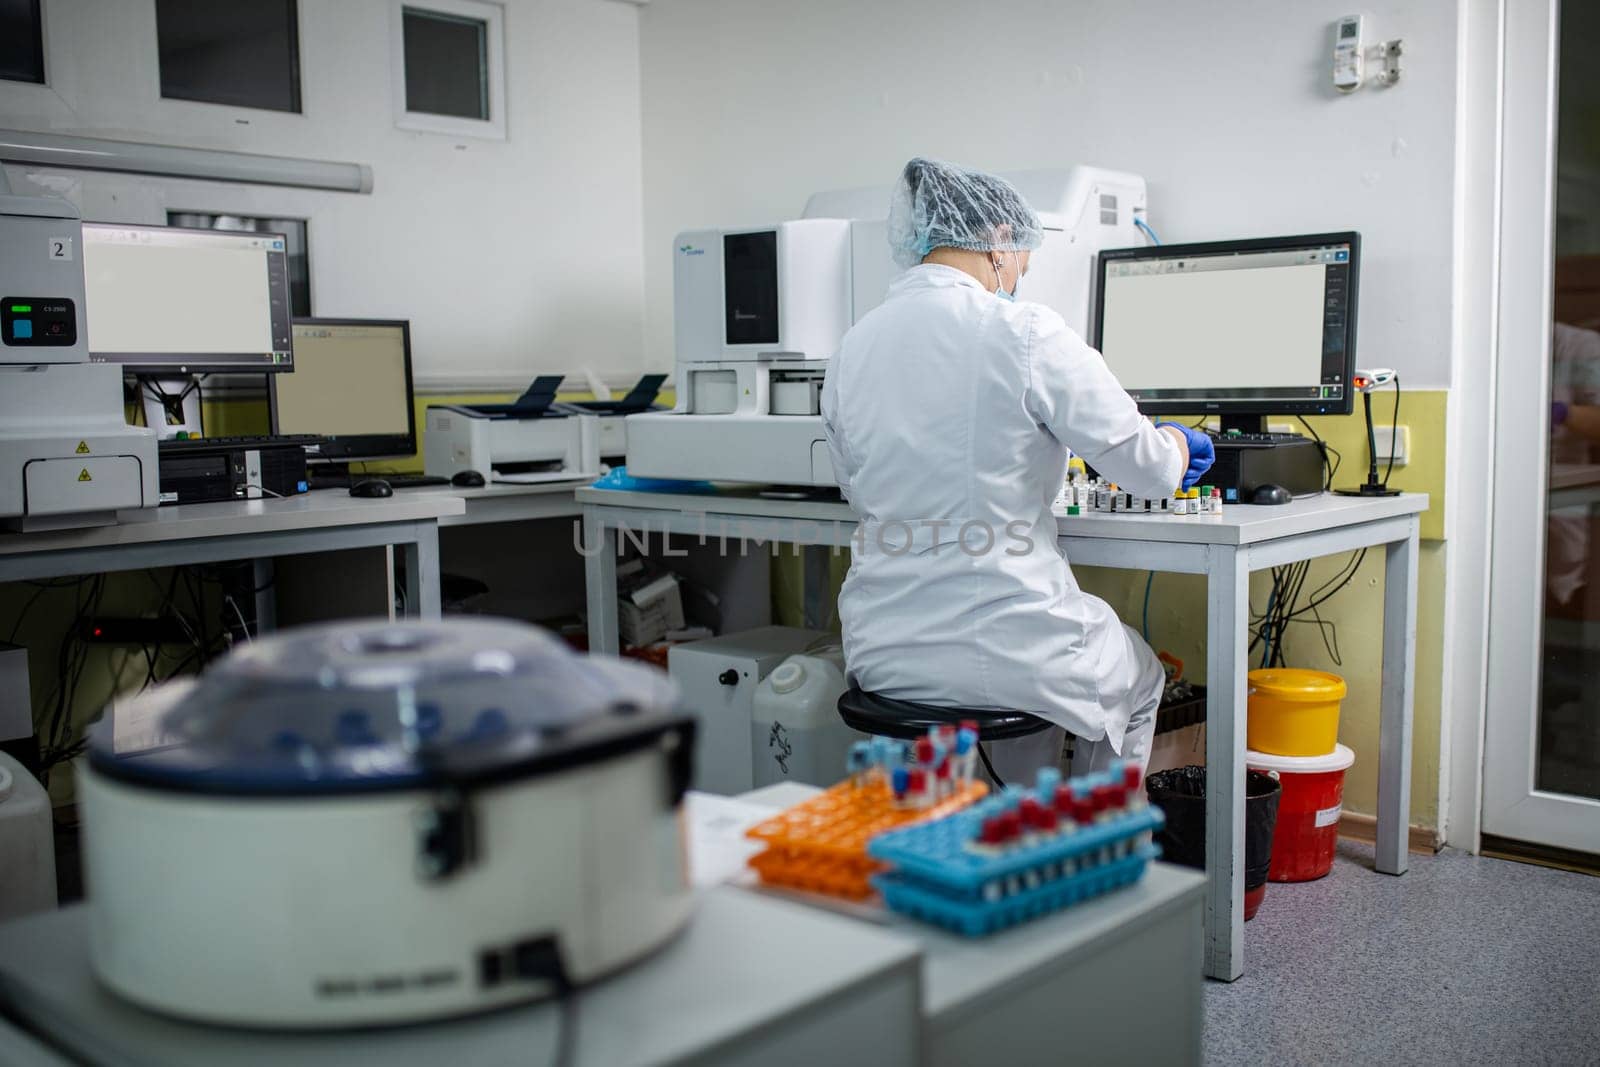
936,851
975,917
937,878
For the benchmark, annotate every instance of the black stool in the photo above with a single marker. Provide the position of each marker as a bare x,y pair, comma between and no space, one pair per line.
907,720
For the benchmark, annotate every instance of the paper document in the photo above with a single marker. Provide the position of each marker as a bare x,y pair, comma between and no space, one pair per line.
718,848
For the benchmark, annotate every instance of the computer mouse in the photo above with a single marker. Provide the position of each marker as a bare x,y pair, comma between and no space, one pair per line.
1268,493
372,488
467,480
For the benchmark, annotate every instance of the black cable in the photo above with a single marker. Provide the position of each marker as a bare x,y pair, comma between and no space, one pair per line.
1331,466
1343,578
983,754
1394,432
28,606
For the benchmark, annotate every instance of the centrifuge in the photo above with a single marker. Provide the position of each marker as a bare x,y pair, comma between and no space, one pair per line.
371,823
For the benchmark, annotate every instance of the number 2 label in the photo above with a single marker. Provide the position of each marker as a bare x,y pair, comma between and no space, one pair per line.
61,248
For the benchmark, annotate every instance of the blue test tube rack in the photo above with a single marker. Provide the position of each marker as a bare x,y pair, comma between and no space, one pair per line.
941,875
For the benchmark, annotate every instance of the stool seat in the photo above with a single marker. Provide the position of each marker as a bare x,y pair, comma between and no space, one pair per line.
905,719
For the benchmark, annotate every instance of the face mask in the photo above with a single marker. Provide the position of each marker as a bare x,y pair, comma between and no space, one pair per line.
999,285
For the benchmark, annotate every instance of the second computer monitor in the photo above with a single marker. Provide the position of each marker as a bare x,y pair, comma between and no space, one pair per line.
1241,328
352,386
165,300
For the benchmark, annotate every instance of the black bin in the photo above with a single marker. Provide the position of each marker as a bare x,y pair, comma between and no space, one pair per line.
1181,795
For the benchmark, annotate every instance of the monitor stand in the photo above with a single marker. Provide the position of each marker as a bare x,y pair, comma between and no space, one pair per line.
171,405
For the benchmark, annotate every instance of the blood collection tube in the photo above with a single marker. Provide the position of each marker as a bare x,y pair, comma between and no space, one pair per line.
900,781
917,786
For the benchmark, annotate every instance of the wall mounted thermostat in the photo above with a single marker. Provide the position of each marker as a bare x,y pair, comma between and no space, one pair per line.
1348,60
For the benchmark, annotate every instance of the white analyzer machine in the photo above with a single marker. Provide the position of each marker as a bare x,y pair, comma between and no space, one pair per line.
759,311
67,455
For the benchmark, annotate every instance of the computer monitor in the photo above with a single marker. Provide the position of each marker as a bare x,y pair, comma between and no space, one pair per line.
352,386
1243,329
162,300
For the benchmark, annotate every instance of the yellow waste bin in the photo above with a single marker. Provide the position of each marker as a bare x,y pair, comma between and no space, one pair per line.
1294,712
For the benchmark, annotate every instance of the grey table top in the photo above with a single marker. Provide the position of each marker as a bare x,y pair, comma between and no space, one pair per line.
232,518
1239,524
744,962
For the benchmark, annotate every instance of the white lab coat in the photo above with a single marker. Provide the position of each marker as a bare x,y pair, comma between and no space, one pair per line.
949,413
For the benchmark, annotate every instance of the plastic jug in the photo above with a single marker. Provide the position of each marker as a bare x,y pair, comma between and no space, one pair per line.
796,734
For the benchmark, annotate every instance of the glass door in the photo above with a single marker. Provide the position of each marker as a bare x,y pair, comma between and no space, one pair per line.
1542,758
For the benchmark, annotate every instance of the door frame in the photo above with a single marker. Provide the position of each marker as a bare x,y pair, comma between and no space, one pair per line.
1512,806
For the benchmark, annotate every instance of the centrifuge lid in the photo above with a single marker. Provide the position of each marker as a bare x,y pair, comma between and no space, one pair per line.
360,707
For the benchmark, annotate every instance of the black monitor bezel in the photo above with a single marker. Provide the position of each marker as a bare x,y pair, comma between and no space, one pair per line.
148,363
1252,406
360,447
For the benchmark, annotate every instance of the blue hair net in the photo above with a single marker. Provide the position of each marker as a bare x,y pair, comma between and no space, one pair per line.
941,205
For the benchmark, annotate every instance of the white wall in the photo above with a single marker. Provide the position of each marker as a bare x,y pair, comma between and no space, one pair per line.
510,258
1225,107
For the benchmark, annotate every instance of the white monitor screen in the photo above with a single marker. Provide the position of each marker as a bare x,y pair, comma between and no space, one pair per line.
158,298
1266,325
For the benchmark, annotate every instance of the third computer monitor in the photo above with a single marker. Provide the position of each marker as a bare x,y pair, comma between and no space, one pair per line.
351,386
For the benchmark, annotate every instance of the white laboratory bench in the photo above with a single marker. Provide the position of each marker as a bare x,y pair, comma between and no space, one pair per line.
244,530
756,979
752,981
324,520
502,502
1225,548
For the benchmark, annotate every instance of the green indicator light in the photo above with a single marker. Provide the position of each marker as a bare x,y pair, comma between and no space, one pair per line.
21,309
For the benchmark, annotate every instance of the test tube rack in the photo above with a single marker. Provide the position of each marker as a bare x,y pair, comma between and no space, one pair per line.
958,872
820,845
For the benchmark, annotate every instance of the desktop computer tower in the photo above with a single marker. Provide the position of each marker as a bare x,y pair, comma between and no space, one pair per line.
1241,467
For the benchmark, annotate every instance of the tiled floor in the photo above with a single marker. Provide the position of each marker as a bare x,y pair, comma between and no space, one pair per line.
1463,960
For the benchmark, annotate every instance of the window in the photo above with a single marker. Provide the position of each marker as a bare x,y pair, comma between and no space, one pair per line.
448,57
244,53
294,232
21,41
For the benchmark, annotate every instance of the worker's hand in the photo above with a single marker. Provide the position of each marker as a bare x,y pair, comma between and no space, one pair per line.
1202,453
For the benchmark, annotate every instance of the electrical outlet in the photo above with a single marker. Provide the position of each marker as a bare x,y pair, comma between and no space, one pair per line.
1402,448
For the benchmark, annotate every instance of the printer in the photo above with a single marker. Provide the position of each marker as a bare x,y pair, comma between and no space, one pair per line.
758,312
613,414
67,454
531,439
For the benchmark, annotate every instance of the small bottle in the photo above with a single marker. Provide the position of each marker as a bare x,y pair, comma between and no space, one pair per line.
1194,501
1205,500
1180,503
1216,501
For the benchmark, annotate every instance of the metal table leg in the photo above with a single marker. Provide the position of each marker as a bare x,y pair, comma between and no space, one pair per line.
423,598
264,573
1399,677
1227,639
600,580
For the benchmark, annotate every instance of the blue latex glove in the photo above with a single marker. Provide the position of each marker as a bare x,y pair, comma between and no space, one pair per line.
1202,453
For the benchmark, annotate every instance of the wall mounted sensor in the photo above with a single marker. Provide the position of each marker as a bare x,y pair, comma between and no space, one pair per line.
1349,60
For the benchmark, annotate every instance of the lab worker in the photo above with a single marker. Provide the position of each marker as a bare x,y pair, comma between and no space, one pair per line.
949,410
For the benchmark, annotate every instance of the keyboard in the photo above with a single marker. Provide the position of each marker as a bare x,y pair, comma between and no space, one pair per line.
1254,438
276,440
